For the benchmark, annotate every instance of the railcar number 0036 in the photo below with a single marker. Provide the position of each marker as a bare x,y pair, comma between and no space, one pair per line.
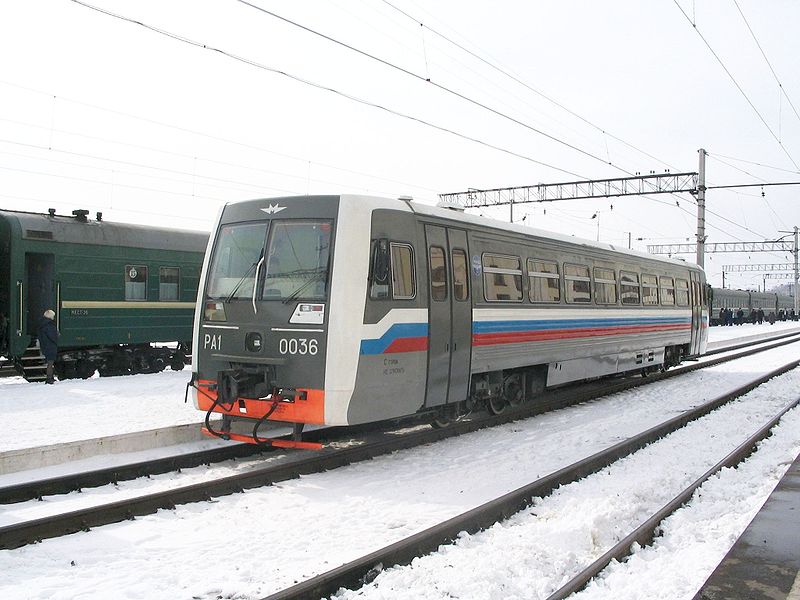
298,346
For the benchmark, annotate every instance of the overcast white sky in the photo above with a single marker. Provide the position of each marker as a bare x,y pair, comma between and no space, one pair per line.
104,114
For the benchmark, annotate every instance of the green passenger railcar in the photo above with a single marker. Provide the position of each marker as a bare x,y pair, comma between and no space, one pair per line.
124,295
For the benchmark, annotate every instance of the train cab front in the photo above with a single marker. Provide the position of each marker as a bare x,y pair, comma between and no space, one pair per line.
261,332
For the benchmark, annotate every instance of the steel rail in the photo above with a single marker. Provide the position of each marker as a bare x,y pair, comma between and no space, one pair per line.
63,484
305,463
358,572
75,482
646,532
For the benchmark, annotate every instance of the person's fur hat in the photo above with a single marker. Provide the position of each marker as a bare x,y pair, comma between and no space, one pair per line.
49,314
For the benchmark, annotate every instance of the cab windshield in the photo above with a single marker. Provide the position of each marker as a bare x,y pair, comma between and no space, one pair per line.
290,259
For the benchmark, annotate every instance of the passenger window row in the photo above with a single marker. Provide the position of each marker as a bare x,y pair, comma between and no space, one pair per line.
503,282
168,283
503,278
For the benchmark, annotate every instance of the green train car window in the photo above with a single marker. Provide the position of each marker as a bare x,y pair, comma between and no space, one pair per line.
135,282
169,284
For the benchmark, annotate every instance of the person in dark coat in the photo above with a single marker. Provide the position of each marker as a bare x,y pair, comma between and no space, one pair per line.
48,341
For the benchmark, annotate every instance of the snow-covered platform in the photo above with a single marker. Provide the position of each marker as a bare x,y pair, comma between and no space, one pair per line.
764,564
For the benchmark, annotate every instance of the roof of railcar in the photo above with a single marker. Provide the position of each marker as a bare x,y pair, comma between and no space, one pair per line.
69,229
408,205
487,222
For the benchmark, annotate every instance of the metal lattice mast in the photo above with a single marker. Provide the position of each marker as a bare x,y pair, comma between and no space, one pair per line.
665,183
746,268
778,246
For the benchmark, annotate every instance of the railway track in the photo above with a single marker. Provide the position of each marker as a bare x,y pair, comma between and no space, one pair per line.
365,569
291,465
550,401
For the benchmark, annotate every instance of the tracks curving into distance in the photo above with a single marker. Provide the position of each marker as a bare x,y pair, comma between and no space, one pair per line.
290,465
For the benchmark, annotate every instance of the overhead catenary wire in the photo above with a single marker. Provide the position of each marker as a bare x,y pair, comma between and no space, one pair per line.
738,86
322,87
527,86
687,212
427,80
751,162
769,64
178,128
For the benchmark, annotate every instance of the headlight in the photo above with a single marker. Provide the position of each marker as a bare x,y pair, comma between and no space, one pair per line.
215,311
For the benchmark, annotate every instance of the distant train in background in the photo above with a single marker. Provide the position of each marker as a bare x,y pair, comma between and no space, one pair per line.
777,307
124,295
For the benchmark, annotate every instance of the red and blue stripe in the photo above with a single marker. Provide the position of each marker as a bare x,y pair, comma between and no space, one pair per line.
490,333
400,337
413,337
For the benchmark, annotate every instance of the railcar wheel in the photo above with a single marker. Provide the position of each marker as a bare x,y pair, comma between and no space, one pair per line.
177,361
496,403
441,422
84,368
513,390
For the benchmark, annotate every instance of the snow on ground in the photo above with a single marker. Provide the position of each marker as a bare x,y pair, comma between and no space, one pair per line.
77,409
248,545
746,331
536,551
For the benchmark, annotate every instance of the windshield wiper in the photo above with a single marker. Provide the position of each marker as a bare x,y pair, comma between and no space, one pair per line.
241,281
317,276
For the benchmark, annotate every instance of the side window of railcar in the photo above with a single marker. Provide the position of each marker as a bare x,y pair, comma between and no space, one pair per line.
629,287
460,275
667,290
577,284
169,284
605,286
502,278
649,290
682,292
543,281
403,280
135,282
438,274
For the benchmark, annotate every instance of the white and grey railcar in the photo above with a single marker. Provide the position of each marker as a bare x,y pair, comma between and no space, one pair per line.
338,310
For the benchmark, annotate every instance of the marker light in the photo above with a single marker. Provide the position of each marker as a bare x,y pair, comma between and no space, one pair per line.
215,311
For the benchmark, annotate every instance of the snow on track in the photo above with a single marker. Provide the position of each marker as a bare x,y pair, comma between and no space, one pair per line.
536,551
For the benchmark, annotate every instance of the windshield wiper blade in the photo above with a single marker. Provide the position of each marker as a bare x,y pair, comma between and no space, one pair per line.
241,281
317,276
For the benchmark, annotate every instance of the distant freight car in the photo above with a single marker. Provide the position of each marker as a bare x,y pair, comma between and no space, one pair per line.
124,295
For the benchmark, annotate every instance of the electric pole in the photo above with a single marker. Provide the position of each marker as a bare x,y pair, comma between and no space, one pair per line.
701,209
796,275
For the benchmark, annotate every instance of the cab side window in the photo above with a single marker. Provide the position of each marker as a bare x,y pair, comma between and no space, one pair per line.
403,279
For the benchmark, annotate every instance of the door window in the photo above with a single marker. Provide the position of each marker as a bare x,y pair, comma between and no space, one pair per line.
460,276
438,274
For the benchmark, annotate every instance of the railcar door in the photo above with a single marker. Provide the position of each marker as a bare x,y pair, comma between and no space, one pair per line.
449,316
696,300
39,270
